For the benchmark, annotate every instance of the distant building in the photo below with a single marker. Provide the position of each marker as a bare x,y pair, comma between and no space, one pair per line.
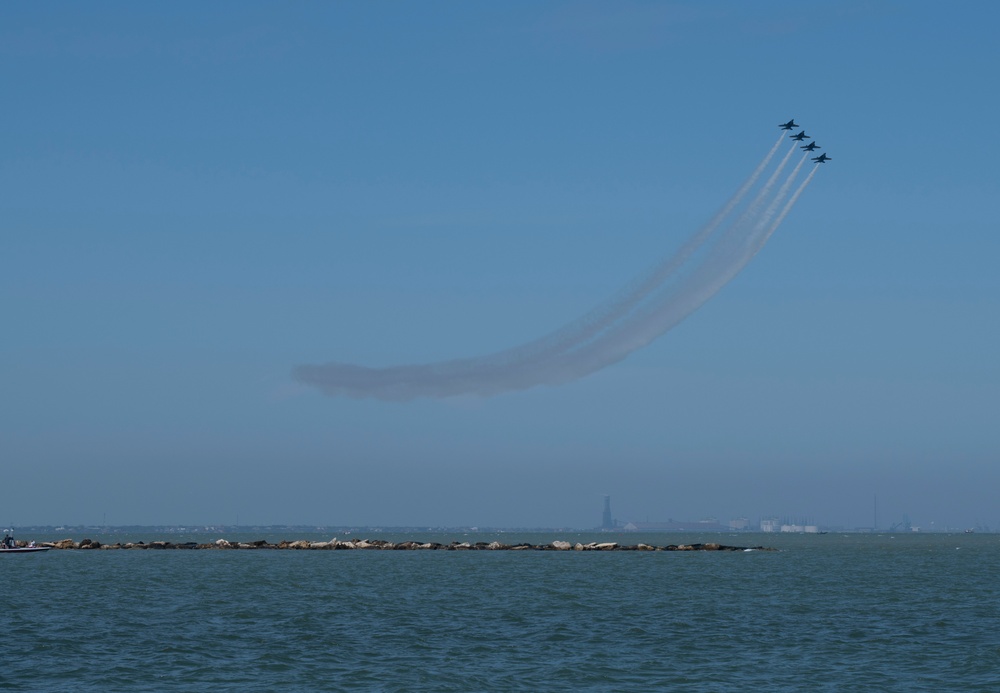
607,522
769,524
740,523
800,529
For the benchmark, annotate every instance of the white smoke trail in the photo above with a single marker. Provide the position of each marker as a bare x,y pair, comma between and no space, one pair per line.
772,208
769,185
638,315
601,317
677,301
736,234
784,212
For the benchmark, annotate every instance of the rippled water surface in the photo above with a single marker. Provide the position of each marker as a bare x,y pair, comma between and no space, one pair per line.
827,612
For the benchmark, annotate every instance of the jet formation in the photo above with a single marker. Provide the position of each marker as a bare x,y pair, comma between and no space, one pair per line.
800,136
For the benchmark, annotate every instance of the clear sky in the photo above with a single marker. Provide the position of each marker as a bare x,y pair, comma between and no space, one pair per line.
196,198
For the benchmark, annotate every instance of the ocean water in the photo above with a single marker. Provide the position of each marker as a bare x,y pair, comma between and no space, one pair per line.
836,612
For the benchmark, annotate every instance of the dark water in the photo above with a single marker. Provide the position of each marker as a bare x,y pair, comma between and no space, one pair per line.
828,612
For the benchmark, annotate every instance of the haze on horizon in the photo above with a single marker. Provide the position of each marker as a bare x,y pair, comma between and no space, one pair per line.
192,204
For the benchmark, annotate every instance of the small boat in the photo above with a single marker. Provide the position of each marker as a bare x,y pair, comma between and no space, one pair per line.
8,545
25,549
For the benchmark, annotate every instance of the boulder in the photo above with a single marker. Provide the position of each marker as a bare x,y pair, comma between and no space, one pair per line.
61,544
561,545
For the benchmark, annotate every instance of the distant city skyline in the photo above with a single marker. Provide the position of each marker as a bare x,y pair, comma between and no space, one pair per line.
762,522
770,522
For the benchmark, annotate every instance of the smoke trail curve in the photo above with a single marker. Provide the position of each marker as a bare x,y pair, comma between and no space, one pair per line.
784,212
637,290
676,302
606,334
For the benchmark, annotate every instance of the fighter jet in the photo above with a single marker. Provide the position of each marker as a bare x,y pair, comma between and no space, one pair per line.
811,147
799,137
822,159
789,125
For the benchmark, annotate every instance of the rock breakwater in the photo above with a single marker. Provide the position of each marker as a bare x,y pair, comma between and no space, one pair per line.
382,545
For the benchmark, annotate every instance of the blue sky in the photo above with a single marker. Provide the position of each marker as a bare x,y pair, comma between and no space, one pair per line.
197,199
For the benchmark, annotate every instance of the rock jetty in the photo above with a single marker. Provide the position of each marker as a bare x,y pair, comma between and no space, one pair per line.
382,545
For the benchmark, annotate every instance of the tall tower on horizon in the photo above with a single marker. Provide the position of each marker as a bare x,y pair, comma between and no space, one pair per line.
607,522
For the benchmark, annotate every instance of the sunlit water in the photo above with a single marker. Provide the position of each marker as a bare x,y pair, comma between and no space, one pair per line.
827,612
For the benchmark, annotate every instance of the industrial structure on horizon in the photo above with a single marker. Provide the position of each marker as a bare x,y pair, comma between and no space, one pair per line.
607,522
